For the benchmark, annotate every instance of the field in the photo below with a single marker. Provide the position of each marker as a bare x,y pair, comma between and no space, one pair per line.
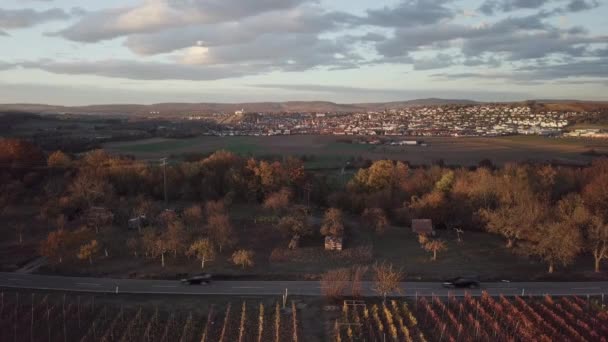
55,317
44,316
479,253
329,151
473,319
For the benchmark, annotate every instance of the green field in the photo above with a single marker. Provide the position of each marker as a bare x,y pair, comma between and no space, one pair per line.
330,151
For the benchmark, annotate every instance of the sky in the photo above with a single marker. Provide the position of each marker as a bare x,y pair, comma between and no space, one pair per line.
73,52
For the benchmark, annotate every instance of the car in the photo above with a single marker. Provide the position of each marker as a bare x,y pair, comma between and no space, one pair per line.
462,282
197,279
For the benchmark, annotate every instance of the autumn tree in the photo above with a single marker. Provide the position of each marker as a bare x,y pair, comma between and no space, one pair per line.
20,153
54,247
376,219
203,250
59,160
387,279
381,175
243,258
88,251
134,244
434,246
333,223
335,282
193,216
295,224
278,201
90,189
596,241
221,231
62,243
556,243
446,182
516,218
175,237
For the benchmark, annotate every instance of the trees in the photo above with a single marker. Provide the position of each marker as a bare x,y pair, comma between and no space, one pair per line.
20,153
333,223
554,243
446,182
54,247
88,251
434,246
376,219
175,237
221,231
335,282
295,224
515,219
278,201
386,279
243,258
203,250
596,241
193,216
59,160
381,175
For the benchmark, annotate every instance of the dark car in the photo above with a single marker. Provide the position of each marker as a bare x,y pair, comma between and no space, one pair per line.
462,282
197,280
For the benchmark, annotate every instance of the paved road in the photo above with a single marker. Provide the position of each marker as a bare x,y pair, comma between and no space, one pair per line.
257,288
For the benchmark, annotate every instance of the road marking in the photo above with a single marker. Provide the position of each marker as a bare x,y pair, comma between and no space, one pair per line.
88,284
246,287
164,286
586,288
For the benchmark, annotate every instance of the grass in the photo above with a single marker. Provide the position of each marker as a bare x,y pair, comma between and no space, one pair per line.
330,152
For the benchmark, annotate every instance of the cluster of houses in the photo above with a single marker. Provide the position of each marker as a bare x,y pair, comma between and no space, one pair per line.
446,120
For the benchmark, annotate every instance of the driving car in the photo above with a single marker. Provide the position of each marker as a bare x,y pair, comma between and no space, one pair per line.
462,282
197,279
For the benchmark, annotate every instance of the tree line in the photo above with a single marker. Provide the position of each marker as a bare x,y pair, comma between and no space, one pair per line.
551,213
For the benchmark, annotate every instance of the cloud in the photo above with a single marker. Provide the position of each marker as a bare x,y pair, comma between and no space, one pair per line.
23,18
512,38
363,94
539,72
410,13
300,20
491,6
439,61
582,5
6,66
157,15
130,69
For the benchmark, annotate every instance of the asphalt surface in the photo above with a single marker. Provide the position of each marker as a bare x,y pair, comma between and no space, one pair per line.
304,288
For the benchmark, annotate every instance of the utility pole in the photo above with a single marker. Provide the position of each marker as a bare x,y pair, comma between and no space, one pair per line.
164,165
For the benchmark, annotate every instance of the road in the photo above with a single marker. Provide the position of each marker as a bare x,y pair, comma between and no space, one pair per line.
258,288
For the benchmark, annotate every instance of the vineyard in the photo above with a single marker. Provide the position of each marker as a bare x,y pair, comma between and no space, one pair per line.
40,317
473,319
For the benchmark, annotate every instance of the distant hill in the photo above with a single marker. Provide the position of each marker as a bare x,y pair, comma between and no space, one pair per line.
172,109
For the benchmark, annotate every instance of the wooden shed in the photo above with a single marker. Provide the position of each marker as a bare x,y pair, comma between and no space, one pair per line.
423,226
333,243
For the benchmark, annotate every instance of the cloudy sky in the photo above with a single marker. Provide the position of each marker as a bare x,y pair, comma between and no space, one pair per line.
146,51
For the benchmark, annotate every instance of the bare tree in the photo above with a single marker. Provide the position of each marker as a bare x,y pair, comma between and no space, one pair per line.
335,282
597,241
221,231
387,279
